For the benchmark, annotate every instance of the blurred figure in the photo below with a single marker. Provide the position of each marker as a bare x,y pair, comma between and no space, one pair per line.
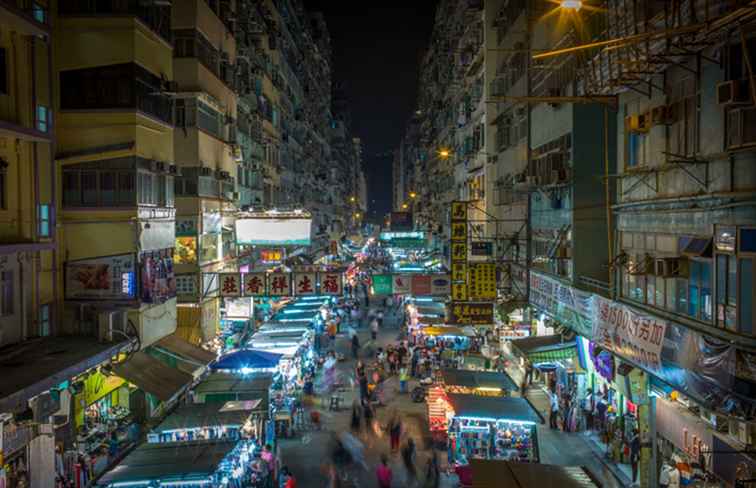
408,456
383,473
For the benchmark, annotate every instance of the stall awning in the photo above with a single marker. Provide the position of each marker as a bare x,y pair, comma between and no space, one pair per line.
500,408
187,357
541,349
443,331
478,379
226,382
153,376
172,461
247,359
201,415
494,474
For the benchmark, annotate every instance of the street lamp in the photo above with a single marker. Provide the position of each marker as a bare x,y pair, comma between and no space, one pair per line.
357,215
571,4
444,153
405,206
412,194
352,199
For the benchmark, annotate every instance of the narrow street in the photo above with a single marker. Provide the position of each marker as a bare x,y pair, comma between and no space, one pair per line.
307,455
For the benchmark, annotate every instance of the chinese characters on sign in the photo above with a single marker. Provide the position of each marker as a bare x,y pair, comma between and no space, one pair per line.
459,272
466,313
330,283
230,284
304,283
279,284
459,292
254,284
459,251
569,305
459,231
630,334
482,281
459,211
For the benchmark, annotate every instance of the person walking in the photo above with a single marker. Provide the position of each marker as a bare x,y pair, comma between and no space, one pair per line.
403,377
331,330
364,395
395,431
356,416
379,316
635,450
408,456
374,328
383,473
432,472
554,413
355,346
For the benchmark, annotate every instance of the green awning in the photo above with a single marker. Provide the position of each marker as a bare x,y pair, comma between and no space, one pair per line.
557,352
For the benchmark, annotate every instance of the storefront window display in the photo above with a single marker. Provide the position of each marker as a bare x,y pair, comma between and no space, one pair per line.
210,248
158,279
186,250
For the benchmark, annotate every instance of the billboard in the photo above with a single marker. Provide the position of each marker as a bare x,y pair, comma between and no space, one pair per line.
105,278
273,232
158,280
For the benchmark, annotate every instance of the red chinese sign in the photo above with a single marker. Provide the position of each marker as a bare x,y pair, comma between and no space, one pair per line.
230,284
304,283
279,284
330,283
421,285
254,284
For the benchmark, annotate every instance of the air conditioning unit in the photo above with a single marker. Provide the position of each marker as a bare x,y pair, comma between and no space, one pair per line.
741,127
174,170
45,405
160,167
671,267
236,195
225,175
205,171
733,92
659,115
111,325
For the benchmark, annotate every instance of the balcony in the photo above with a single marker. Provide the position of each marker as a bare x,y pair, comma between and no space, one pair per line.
157,18
27,17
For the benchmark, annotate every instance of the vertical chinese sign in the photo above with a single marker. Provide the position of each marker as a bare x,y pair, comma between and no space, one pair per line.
230,284
458,248
254,284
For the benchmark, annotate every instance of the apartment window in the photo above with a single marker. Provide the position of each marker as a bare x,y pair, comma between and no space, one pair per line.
699,290
43,118
735,281
635,144
6,293
683,132
44,320
209,120
3,72
39,13
44,220
89,188
3,187
118,86
746,278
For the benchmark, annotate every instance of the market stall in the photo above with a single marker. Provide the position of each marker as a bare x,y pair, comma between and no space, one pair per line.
247,361
488,427
211,421
196,464
446,336
465,382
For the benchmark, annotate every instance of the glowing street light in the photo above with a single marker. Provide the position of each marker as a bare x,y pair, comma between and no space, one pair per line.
444,153
412,194
571,4
352,199
405,206
357,215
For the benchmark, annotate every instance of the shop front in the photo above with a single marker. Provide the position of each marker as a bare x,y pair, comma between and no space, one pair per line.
195,464
485,427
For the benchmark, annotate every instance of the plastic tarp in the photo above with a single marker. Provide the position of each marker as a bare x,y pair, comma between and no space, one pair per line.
501,408
478,379
153,376
247,358
494,474
173,461
202,415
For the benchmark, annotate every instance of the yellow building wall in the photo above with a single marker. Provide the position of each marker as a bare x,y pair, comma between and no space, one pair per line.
84,238
154,321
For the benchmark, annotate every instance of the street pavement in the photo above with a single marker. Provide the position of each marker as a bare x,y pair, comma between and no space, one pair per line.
307,453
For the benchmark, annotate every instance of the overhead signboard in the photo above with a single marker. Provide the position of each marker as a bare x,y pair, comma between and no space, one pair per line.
470,313
305,284
481,248
254,284
440,285
402,284
416,284
383,284
421,285
261,231
482,281
331,283
230,284
105,278
271,256
279,284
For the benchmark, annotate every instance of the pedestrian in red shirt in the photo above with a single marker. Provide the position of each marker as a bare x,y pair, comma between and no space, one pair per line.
384,474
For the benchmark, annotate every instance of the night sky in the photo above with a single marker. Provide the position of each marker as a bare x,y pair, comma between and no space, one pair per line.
376,49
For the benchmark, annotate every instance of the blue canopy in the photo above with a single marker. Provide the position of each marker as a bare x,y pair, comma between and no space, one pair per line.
239,359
